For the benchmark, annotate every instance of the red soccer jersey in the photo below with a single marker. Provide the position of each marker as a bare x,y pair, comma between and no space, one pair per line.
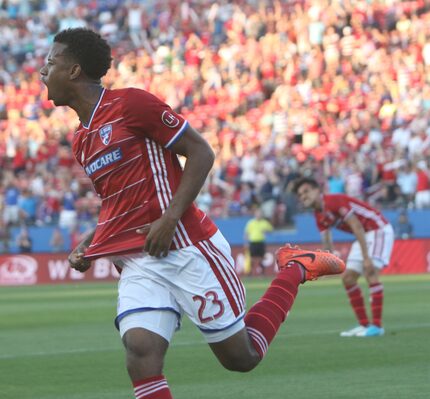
338,207
124,150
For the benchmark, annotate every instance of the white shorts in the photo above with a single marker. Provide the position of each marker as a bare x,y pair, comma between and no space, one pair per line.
199,280
379,245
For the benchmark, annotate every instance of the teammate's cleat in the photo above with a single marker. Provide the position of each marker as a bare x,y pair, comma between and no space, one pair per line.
354,332
372,331
315,263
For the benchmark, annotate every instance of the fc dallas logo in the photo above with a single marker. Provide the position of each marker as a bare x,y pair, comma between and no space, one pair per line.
169,119
105,134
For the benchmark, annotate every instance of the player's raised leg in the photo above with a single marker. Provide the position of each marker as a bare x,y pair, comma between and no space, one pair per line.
244,350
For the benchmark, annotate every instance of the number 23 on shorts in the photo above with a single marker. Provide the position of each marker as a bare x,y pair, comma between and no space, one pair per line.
211,308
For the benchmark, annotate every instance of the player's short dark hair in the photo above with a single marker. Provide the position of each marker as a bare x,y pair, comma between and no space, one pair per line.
305,180
88,48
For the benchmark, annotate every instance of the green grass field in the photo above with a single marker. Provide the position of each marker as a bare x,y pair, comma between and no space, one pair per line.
59,342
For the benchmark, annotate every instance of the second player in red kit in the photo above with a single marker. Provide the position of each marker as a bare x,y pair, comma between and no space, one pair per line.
369,254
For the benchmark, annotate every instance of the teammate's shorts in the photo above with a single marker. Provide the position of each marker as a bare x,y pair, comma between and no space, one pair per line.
199,280
379,245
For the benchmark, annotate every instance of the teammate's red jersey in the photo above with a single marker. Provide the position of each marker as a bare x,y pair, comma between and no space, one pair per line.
338,207
124,151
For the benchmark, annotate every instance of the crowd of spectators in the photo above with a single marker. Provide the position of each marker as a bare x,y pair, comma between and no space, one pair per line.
339,90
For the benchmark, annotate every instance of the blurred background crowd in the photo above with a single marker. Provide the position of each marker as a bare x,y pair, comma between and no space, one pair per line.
338,90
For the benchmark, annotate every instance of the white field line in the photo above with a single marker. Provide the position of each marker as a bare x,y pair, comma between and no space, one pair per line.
282,335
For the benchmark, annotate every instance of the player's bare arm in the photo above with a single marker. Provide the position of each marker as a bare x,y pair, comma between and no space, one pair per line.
358,231
327,240
199,160
76,257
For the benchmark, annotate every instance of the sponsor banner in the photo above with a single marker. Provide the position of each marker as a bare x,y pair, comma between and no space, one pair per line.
18,270
409,257
30,269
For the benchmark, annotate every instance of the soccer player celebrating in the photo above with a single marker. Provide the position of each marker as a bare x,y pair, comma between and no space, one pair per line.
173,259
369,253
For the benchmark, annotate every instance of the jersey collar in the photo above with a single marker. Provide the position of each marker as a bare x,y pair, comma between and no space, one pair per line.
95,109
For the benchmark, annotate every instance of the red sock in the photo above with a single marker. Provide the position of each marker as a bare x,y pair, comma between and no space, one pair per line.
265,317
152,388
357,302
376,302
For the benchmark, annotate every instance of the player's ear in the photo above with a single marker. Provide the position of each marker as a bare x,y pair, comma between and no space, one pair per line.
75,71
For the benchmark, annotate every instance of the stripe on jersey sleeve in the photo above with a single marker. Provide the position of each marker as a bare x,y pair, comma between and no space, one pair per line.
368,214
178,135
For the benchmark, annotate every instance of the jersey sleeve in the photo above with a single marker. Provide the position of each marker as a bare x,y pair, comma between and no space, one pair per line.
149,117
339,205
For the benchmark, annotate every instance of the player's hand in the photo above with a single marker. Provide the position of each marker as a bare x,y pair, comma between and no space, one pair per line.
77,261
159,236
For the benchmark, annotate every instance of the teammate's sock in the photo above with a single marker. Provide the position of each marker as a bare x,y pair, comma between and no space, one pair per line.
357,302
152,388
376,302
264,318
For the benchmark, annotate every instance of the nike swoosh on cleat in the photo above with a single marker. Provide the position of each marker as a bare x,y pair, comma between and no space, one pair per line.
309,255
